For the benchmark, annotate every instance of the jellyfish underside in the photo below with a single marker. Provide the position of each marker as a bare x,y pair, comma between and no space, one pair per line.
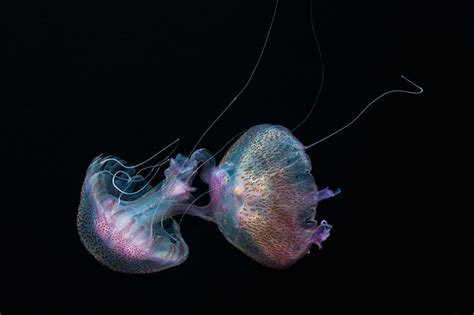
262,197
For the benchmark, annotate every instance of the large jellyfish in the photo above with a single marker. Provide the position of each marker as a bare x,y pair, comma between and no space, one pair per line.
263,199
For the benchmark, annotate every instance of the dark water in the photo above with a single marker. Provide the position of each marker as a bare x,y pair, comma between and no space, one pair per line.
126,79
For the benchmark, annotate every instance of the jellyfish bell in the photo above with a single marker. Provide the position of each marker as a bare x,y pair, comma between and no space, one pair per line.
135,233
264,197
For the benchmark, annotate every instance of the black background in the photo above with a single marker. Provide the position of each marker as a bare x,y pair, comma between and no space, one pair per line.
126,79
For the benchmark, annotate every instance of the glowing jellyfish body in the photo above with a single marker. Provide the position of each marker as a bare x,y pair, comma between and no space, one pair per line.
265,197
138,235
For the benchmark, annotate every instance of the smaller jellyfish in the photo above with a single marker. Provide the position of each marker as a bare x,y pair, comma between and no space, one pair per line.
264,198
135,232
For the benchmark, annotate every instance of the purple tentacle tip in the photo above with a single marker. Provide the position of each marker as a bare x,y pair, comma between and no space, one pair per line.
322,233
322,194
327,193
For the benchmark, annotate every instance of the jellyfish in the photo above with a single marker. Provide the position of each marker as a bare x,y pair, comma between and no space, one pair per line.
138,234
263,197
